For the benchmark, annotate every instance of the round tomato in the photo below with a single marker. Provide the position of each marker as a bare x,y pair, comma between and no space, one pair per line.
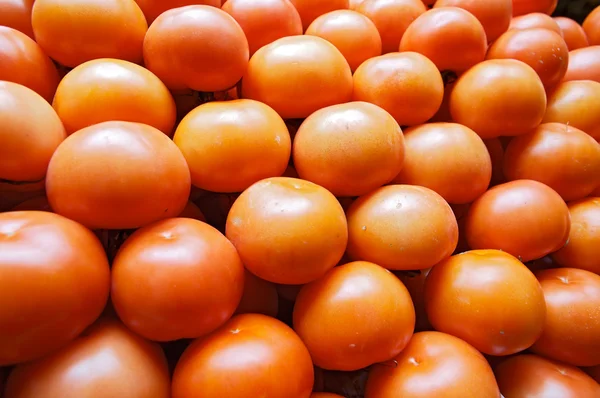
401,227
108,360
16,14
55,279
39,203
118,175
309,10
572,32
250,355
584,64
434,364
350,149
153,8
591,26
260,297
521,7
535,20
489,299
350,331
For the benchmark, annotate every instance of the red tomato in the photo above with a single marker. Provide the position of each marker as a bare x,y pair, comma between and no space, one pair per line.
260,297
55,279
16,14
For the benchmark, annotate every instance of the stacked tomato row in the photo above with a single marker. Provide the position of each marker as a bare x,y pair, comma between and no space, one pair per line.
278,198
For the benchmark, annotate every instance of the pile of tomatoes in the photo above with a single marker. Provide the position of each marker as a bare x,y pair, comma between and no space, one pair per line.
299,198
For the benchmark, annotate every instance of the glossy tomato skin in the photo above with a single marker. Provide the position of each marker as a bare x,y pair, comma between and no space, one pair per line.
537,377
259,297
434,364
572,328
275,362
143,163
153,8
354,316
310,10
16,14
535,20
196,47
304,221
107,361
504,217
75,31
591,26
584,64
487,298
573,33
56,282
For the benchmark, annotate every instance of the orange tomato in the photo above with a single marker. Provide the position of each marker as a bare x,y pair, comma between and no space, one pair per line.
533,376
535,20
309,10
16,14
274,362
424,366
304,221
584,64
55,280
572,32
260,297
350,32
448,158
153,8
572,328
401,227
297,76
39,203
107,360
356,315
415,283
407,85
75,31
449,36
511,99
118,175
591,26
489,299
264,21
504,217
496,151
521,7
349,149
542,49
192,211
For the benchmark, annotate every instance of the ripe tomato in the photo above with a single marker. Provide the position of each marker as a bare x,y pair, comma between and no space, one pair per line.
350,32
260,297
504,217
196,47
264,21
576,103
449,158
153,8
496,151
489,299
521,7
251,354
572,329
39,203
118,175
572,32
350,331
407,85
511,99
303,221
533,376
55,279
109,89
535,20
230,145
391,17
309,10
401,227
434,364
350,149
542,49
591,26
584,64
449,36
75,31
297,76
16,14
108,360
192,211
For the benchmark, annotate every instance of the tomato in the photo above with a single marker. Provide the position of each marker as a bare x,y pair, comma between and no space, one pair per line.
521,7
407,85
118,175
260,297
572,32
591,26
496,151
109,89
153,8
230,145
39,203
297,76
391,17
350,32
303,221
350,149
401,227
542,49
16,14
510,98
494,15
448,158
572,329
535,20
584,64
449,36
309,10
354,316
434,364
75,31
108,360
192,211
583,247
489,299
251,354
576,103
264,21
55,280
